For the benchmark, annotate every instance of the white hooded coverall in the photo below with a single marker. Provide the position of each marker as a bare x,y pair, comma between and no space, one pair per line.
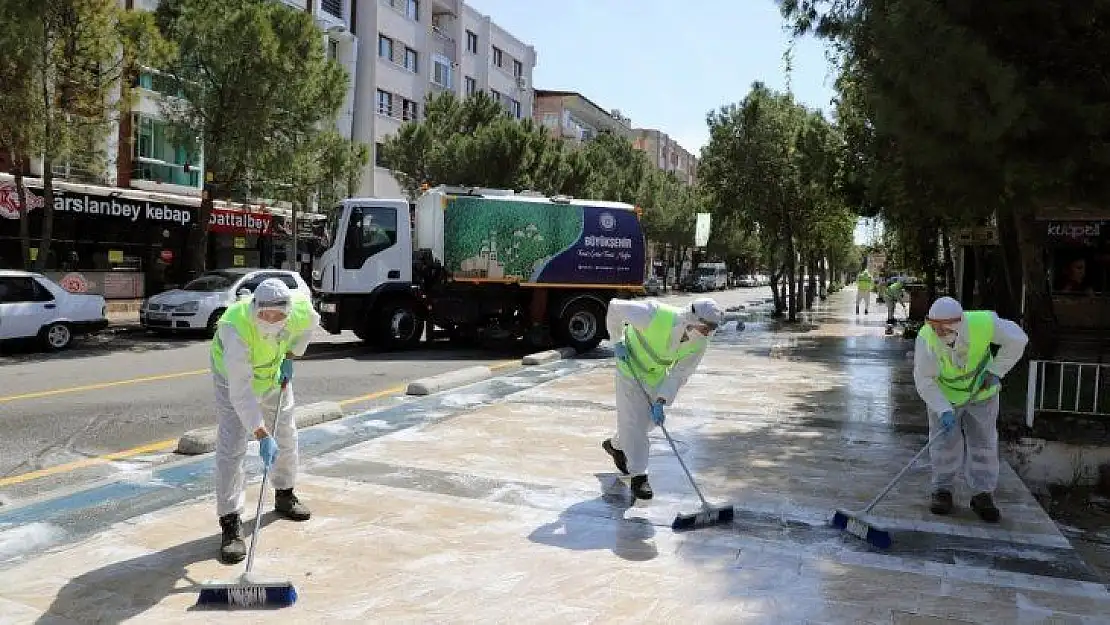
973,444
633,408
240,412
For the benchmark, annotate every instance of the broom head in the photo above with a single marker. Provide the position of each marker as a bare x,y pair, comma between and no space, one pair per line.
861,529
248,593
705,518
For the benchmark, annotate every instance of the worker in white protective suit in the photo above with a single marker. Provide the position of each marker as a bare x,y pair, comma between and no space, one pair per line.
252,351
658,347
959,379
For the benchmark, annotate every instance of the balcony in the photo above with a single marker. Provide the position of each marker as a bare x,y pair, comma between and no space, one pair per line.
165,173
444,45
332,7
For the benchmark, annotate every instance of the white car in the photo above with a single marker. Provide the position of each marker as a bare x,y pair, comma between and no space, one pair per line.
199,304
34,306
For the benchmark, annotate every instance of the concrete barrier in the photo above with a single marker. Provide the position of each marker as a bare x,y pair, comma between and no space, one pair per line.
451,379
551,355
203,440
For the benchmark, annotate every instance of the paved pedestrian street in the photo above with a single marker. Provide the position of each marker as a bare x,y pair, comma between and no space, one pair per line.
495,504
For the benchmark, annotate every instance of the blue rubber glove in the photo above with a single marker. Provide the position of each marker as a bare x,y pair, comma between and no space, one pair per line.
948,421
267,450
620,350
657,416
287,370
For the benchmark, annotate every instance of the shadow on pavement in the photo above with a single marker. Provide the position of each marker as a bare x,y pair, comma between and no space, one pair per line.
580,529
127,589
129,341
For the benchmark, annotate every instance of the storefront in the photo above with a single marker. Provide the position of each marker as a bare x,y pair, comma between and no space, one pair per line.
1077,252
128,244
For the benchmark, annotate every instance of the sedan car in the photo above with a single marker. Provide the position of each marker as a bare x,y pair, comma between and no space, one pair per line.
33,306
197,306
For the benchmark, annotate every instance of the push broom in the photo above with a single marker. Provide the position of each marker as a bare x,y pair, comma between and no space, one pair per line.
853,521
251,591
709,515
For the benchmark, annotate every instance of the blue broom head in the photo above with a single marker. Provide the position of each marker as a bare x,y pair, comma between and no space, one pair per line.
249,595
859,528
704,518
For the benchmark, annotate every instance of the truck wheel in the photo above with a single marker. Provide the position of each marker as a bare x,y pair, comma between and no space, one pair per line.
400,325
582,325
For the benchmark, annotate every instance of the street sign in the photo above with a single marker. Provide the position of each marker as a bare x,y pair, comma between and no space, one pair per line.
701,230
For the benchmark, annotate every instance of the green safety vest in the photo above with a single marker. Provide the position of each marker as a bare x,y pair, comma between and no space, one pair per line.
958,383
863,281
650,358
266,353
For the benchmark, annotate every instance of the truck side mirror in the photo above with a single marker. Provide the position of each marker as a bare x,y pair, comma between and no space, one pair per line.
244,292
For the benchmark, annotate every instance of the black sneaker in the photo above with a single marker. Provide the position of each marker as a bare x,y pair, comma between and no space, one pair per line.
640,488
983,505
287,505
941,502
232,547
618,456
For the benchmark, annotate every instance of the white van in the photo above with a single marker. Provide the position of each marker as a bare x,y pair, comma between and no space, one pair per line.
711,277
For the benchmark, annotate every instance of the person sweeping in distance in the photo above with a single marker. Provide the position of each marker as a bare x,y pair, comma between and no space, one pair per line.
864,285
658,347
252,351
959,379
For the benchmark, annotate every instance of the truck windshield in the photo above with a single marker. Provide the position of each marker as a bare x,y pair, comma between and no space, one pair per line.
335,215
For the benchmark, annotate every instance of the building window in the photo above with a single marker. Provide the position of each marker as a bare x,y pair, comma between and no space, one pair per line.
333,7
333,50
514,108
496,95
550,120
156,157
411,60
158,82
441,74
518,68
471,42
385,47
379,155
498,56
471,85
385,103
410,110
412,10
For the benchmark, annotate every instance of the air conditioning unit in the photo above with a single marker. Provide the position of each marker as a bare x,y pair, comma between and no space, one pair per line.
521,82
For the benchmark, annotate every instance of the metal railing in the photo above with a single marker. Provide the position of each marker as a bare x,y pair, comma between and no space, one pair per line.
1067,387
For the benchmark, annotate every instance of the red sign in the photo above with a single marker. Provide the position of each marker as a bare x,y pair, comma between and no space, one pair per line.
167,255
239,222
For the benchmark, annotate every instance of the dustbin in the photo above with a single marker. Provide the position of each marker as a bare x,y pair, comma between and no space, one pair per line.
919,302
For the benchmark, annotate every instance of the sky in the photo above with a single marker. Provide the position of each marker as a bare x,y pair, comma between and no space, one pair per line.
662,64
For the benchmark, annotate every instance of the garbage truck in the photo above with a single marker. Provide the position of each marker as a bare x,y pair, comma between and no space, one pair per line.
476,266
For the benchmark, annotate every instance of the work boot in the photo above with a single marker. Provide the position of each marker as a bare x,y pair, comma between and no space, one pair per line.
232,547
640,487
941,502
983,505
287,505
618,456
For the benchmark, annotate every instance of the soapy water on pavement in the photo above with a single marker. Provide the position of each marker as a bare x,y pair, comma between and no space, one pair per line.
463,400
28,538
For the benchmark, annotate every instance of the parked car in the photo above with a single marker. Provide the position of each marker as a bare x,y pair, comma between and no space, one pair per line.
33,306
197,306
653,286
748,280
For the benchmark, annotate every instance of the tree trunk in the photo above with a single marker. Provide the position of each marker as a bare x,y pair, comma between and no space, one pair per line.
24,214
198,234
949,265
48,138
792,277
1039,315
822,276
811,288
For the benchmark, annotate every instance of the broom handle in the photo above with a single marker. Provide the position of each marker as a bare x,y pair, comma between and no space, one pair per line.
901,473
265,479
704,503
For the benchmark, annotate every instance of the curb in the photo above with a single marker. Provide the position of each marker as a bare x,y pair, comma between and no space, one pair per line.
551,355
444,381
203,440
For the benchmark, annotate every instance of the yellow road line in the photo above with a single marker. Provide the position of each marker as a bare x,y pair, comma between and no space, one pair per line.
168,443
88,462
100,385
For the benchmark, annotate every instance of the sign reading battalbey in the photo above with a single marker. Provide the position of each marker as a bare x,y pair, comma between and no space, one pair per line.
701,230
239,222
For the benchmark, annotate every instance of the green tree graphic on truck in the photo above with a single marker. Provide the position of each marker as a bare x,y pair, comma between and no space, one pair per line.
500,239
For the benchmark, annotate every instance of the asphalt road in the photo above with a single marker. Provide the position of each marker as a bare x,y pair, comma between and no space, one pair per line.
119,392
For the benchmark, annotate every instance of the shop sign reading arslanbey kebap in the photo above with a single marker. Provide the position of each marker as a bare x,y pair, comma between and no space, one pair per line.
104,206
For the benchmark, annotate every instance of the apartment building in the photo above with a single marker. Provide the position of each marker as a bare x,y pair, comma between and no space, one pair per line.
666,153
576,118
423,47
